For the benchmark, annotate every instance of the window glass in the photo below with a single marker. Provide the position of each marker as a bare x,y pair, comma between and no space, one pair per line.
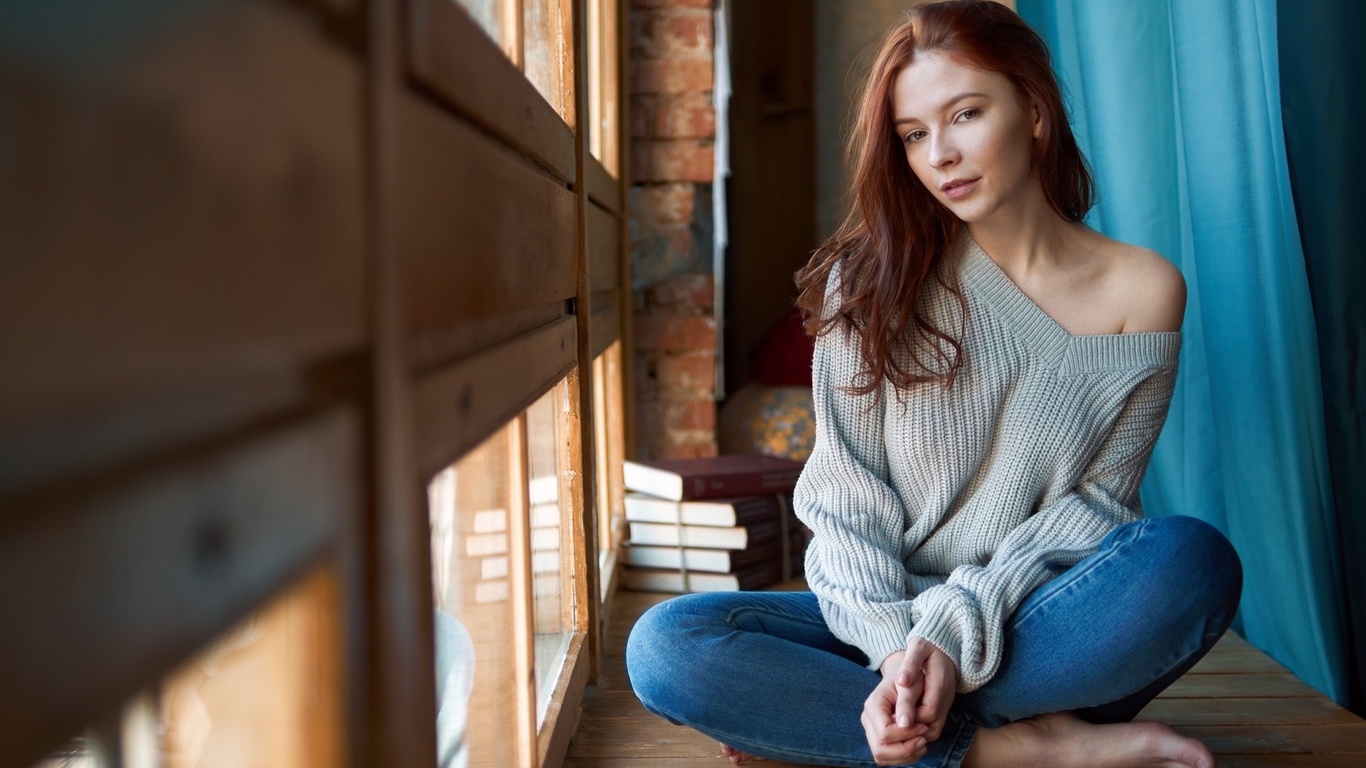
488,14
78,753
602,82
547,44
475,666
548,442
609,442
265,694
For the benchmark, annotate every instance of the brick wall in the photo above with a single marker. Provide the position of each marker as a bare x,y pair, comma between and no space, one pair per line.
673,128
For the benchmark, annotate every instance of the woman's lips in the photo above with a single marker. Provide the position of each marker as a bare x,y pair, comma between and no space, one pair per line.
959,190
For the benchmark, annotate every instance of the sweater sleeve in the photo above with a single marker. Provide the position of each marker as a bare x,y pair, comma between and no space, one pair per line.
853,563
965,617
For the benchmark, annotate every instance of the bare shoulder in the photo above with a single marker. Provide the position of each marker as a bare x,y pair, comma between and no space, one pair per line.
1154,289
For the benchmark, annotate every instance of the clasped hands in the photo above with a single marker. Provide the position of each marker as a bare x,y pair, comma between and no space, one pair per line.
908,708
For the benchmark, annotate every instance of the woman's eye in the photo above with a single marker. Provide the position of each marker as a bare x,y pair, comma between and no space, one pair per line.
974,112
913,136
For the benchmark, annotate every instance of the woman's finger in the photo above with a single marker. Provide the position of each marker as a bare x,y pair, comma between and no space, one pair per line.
899,753
930,700
907,698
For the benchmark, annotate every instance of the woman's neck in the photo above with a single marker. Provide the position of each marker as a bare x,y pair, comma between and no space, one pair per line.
1026,236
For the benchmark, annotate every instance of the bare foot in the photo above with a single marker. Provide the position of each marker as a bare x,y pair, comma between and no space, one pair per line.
736,756
1061,740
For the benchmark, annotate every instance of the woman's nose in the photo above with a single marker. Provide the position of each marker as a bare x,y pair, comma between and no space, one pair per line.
942,152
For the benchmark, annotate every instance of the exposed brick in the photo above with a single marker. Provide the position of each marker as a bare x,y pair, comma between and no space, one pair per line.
692,292
663,205
675,333
694,371
645,374
650,416
670,33
672,161
685,116
671,75
692,448
657,256
694,415
643,116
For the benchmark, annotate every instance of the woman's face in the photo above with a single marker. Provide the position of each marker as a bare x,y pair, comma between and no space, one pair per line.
960,124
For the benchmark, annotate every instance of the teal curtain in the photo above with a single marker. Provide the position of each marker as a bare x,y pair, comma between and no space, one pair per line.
1177,106
1322,49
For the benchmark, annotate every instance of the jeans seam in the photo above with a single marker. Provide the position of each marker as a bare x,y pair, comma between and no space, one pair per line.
764,610
786,754
1077,576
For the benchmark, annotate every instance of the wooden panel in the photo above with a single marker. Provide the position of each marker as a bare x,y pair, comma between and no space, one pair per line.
182,227
398,717
604,257
1290,761
1237,662
451,57
1269,739
606,325
148,571
519,570
1250,686
563,712
1231,711
478,232
461,404
603,188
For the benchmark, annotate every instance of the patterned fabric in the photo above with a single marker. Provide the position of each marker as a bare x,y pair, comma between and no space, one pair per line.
777,421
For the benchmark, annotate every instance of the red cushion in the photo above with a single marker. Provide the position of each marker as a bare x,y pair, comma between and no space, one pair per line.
783,358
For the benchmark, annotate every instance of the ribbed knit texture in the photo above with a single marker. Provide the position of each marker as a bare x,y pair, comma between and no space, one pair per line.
937,512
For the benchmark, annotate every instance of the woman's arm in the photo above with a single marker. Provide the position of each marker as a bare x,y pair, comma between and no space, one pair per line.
853,563
965,616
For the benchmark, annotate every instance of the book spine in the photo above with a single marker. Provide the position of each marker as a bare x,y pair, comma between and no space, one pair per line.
748,484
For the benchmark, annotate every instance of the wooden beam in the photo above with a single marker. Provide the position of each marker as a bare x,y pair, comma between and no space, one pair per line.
399,688
562,715
184,240
520,581
466,255
452,58
606,329
457,406
150,570
604,246
603,187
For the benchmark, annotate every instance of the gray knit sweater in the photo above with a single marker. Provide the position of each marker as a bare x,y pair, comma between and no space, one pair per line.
937,512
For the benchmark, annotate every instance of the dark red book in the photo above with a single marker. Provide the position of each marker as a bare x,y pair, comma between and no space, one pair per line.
741,474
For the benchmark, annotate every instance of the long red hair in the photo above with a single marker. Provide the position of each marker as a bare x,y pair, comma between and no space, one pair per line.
896,234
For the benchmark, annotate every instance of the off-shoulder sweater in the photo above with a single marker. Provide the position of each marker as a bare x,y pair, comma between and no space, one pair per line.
936,512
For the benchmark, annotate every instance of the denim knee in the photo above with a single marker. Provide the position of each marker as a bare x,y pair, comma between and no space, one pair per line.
1202,561
656,652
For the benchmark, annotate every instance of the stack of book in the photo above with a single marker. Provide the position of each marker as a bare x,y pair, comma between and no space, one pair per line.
711,525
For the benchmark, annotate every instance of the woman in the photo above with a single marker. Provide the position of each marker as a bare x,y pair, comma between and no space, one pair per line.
990,377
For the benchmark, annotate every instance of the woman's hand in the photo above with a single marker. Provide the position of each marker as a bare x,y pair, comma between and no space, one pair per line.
890,744
926,681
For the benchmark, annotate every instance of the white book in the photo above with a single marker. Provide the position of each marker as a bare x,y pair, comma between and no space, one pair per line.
672,581
643,508
735,537
712,560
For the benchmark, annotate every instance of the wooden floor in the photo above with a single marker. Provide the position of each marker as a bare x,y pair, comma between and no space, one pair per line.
1250,710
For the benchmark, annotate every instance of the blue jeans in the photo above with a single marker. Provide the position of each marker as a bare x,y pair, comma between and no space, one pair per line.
762,672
